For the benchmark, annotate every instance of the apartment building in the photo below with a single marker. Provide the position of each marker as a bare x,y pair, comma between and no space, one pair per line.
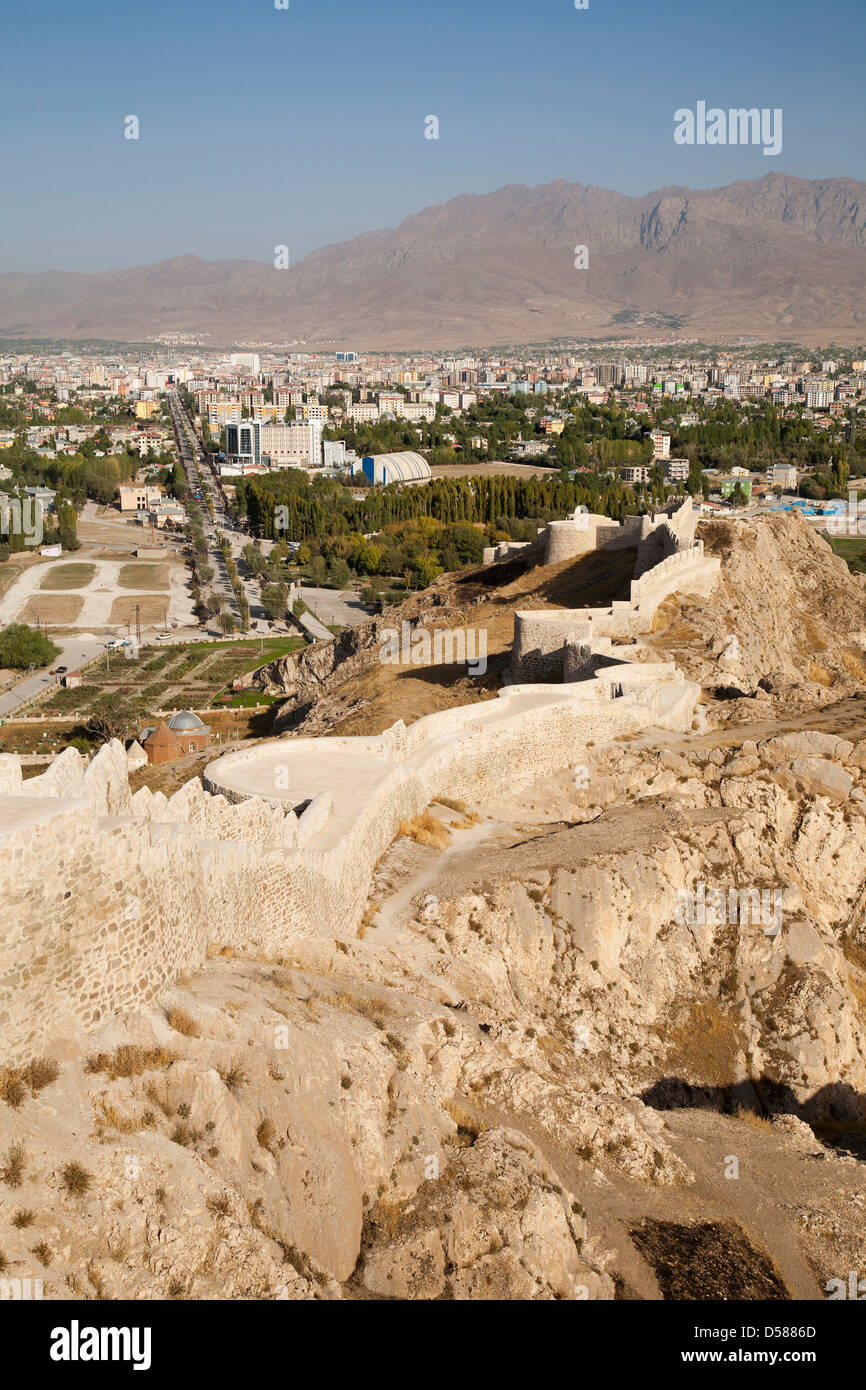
297,445
661,443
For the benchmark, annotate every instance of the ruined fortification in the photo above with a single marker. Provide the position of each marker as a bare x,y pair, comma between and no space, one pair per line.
110,895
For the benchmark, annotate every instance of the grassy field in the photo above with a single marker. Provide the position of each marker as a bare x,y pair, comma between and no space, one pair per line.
75,575
849,547
57,610
143,576
152,609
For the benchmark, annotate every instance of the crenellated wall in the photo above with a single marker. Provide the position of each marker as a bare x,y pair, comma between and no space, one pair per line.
540,636
108,895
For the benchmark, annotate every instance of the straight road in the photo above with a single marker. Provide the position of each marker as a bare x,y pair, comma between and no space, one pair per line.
74,653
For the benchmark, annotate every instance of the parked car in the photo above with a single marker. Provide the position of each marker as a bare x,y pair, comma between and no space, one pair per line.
61,670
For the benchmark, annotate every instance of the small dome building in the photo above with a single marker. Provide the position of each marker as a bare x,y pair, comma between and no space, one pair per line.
184,733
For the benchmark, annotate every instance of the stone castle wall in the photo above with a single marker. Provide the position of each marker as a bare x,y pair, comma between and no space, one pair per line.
110,894
540,636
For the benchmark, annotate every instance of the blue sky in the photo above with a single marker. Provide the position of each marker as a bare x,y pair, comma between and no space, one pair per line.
306,126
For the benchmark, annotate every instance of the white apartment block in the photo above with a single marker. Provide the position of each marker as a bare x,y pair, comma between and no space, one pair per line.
784,475
676,470
416,410
298,445
363,411
247,361
661,443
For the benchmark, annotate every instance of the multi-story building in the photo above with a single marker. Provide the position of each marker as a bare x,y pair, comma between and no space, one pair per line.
135,497
363,411
244,443
784,475
247,361
635,473
297,445
676,470
661,443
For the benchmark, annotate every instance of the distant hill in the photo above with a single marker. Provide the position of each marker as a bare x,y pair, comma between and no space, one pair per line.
777,257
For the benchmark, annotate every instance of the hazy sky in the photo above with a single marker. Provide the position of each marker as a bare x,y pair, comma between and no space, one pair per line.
305,126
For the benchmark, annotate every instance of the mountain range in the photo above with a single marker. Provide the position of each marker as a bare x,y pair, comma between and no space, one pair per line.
775,258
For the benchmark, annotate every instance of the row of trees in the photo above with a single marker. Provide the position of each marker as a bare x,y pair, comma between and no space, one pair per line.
326,508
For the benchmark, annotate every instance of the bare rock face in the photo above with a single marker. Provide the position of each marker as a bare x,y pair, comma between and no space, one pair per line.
797,613
497,1225
722,260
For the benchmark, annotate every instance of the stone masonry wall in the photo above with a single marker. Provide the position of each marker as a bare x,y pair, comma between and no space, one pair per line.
109,895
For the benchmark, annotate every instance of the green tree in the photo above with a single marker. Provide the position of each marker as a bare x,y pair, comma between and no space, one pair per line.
22,646
274,600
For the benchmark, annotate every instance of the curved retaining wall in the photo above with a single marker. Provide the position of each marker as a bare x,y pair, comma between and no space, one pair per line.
108,896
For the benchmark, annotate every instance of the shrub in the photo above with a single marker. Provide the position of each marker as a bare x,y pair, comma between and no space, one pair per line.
15,1082
12,1171
130,1060
184,1023
76,1179
266,1135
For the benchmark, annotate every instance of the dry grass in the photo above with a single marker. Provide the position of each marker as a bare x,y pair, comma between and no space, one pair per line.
749,1117
12,1172
153,1094
452,803
73,575
184,1023
43,1252
57,610
426,830
143,576
130,1060
371,912
704,1045
23,1217
152,606
116,1119
232,1077
377,1011
16,1082
266,1135
388,1218
75,1179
